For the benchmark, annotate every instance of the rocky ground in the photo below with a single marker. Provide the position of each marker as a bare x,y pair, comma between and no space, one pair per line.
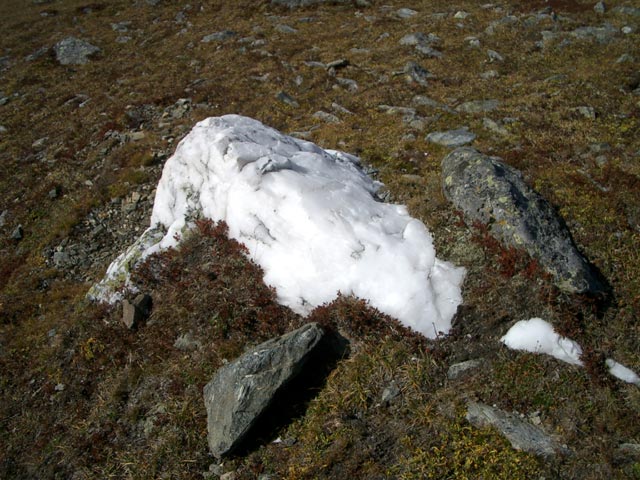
95,96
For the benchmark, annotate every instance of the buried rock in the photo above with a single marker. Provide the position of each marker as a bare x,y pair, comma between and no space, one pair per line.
264,388
493,193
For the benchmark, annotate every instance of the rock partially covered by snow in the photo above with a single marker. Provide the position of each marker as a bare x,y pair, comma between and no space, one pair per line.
537,336
309,217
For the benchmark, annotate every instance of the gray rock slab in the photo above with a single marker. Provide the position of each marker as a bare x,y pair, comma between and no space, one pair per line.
219,36
521,434
493,193
73,51
244,389
602,35
452,138
478,106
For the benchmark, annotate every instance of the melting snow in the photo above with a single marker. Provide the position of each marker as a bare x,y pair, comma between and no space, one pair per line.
538,336
309,217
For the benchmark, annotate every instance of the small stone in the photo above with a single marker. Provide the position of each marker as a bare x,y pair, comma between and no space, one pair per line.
60,259
489,75
478,106
627,30
390,393
121,27
287,99
40,143
3,217
285,29
628,11
219,36
405,13
136,136
452,138
349,84
338,64
600,7
473,42
417,73
495,127
419,38
460,15
187,343
18,233
3,129
59,387
54,193
494,56
586,112
625,58
73,51
457,370
136,311
428,51
326,117
228,476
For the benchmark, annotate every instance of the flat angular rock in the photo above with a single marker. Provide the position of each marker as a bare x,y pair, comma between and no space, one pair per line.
73,51
452,138
478,106
491,192
244,389
521,434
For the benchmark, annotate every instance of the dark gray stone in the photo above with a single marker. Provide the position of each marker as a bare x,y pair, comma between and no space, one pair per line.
136,311
491,192
18,233
287,99
521,434
417,73
73,51
243,390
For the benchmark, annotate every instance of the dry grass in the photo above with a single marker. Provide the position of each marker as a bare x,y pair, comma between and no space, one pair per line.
131,402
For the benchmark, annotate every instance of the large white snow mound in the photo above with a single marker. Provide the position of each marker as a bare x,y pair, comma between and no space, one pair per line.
309,217
537,336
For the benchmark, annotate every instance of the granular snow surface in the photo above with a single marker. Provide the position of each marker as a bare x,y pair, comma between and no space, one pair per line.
309,217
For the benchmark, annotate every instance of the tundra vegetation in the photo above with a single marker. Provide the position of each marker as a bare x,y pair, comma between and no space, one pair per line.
82,145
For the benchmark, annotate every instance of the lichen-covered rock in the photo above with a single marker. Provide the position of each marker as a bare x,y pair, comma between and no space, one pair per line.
493,193
73,51
242,390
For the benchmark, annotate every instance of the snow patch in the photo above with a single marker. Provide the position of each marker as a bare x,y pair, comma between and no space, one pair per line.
309,217
538,336
621,372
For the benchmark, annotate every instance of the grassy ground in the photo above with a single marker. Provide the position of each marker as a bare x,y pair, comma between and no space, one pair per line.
82,397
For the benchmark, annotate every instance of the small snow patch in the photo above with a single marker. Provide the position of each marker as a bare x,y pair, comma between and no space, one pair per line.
537,336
